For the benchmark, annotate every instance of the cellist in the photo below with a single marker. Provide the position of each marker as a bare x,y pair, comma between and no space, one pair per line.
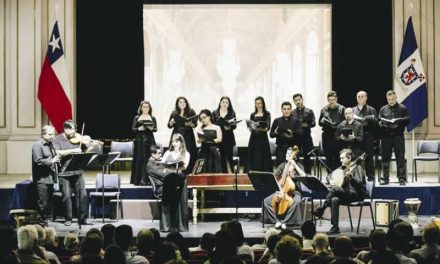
283,207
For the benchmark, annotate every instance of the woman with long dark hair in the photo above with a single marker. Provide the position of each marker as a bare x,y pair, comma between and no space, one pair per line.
174,209
144,124
210,136
259,156
182,120
223,115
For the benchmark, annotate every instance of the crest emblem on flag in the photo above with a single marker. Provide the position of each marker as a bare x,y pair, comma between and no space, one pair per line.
410,75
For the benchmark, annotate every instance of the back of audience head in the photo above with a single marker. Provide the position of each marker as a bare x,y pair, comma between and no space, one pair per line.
308,229
71,242
179,240
400,238
207,242
320,242
91,244
343,247
235,228
431,234
108,231
272,242
114,255
378,240
387,257
288,250
95,231
41,235
224,246
232,260
145,242
270,232
7,254
91,259
51,237
123,236
27,237
157,238
168,252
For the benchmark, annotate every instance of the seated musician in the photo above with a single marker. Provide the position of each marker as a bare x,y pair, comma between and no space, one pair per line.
351,189
287,171
156,170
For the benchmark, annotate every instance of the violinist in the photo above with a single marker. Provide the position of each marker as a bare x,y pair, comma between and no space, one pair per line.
68,143
283,208
352,189
44,160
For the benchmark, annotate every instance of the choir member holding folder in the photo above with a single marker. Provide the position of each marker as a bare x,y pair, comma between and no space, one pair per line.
210,136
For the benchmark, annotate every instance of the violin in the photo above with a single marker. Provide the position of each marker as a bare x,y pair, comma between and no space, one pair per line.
283,200
85,140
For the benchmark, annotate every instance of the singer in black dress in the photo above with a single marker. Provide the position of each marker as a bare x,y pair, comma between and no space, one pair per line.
259,156
210,136
184,126
225,112
144,124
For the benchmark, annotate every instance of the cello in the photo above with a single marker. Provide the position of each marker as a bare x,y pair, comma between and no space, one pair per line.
283,200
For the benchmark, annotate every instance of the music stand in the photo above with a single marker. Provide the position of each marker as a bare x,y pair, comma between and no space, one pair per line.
76,162
263,181
315,186
104,161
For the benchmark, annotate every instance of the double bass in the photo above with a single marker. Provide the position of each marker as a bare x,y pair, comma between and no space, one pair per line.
283,200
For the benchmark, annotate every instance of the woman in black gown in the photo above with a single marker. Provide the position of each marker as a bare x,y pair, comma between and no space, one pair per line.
259,156
144,124
210,136
174,209
225,112
182,120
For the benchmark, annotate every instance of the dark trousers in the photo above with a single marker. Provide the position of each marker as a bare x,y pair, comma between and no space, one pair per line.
281,154
306,147
292,215
45,192
331,151
369,160
398,144
74,184
337,196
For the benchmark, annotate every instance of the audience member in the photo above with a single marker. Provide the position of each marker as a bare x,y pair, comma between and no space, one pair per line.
224,247
320,246
207,243
399,240
235,228
28,251
179,240
269,232
168,253
114,255
71,243
145,243
430,251
123,238
91,259
383,257
269,253
8,252
52,243
108,231
308,231
343,250
287,251
41,239
157,239
378,243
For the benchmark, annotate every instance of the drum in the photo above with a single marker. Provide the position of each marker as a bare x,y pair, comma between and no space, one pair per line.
412,205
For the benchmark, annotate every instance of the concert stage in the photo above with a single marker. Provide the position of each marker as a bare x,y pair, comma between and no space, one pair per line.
137,200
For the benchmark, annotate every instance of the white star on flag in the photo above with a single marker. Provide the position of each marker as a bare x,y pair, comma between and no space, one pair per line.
55,43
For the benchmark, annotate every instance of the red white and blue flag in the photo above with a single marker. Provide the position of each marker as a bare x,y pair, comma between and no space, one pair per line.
54,83
412,79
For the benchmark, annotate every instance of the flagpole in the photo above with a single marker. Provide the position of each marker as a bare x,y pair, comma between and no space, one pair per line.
413,152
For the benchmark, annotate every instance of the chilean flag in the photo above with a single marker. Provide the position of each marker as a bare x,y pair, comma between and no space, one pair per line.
54,83
412,79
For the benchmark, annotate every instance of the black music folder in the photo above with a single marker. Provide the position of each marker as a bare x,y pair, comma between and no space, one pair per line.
75,162
314,184
346,131
103,160
264,181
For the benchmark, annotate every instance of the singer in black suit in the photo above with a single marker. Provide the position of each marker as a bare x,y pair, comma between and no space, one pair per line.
44,160
306,118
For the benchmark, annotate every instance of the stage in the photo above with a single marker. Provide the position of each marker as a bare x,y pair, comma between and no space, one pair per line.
137,200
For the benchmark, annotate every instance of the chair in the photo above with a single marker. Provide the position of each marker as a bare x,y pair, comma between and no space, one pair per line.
108,185
125,148
367,202
431,147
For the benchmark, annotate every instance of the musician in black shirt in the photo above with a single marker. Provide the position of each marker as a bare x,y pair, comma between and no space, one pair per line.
393,120
353,139
306,118
368,117
286,129
44,160
352,188
330,117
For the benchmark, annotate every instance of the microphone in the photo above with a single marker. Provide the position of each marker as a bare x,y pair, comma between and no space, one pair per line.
311,151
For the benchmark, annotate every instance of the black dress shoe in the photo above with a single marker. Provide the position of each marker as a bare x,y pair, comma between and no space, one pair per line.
384,181
86,222
318,212
402,182
334,230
